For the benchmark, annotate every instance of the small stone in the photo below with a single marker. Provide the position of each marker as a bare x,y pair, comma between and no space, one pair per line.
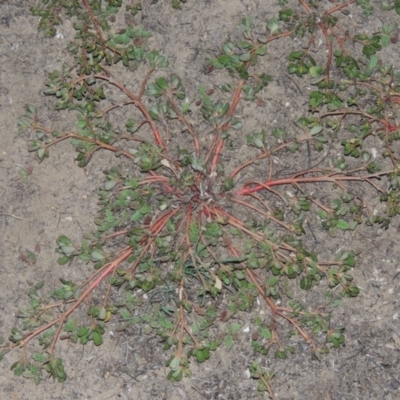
394,384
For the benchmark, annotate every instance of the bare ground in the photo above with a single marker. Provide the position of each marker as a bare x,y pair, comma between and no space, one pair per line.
40,201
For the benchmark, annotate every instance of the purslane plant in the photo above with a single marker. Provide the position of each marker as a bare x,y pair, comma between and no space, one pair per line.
187,240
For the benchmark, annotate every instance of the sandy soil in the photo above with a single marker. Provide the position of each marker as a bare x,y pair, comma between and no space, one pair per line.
40,201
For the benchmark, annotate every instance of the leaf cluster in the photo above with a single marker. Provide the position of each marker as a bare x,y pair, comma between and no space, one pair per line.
171,233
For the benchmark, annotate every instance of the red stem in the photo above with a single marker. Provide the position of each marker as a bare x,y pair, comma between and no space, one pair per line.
221,142
138,104
310,179
114,264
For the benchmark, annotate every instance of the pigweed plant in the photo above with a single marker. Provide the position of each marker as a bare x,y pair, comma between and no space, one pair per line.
185,243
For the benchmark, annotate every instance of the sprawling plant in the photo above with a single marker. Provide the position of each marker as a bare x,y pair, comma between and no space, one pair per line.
187,238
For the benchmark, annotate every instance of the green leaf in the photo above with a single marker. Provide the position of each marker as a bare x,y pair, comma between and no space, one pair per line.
315,130
39,357
281,353
199,356
322,214
316,71
69,326
102,313
385,41
97,338
397,6
42,154
18,367
228,342
125,37
295,55
96,256
162,83
261,51
245,57
64,240
235,327
342,224
373,62
174,364
353,291
83,331
67,250
273,281
273,24
266,334
63,260
279,133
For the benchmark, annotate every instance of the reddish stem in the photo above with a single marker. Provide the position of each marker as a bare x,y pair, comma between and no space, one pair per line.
71,135
308,179
276,310
94,21
221,214
60,320
220,143
340,6
138,104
